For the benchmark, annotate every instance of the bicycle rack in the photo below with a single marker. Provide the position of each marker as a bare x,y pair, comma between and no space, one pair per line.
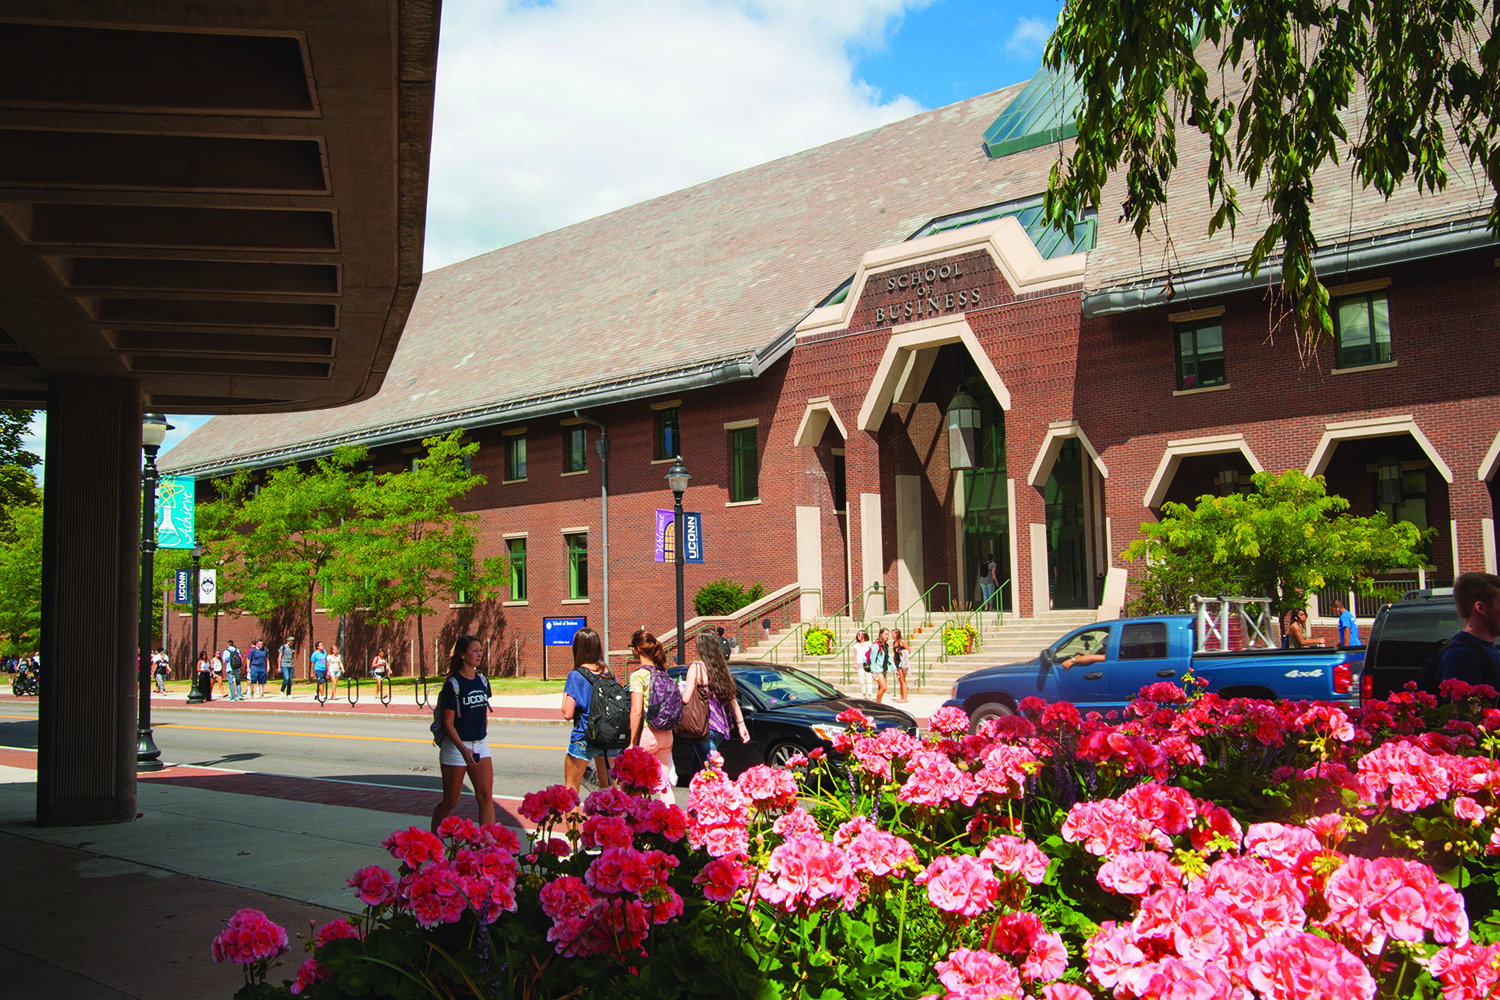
385,692
421,690
320,693
351,691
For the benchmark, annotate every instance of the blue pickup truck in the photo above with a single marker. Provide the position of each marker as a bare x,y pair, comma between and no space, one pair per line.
1102,666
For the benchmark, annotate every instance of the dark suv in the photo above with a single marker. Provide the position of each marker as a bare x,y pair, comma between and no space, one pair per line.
1404,635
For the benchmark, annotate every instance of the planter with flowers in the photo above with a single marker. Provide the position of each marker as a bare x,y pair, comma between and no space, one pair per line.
1196,846
958,640
817,640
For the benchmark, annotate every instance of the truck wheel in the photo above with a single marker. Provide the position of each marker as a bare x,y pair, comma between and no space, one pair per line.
989,710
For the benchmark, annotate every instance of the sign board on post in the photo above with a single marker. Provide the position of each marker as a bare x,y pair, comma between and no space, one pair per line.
558,632
666,537
182,592
174,512
208,586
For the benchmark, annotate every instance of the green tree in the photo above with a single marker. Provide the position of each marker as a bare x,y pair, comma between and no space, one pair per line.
415,546
21,582
275,546
18,485
1283,540
1273,99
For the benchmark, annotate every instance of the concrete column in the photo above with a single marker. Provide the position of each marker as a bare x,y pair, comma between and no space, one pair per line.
871,550
810,560
91,537
910,571
1041,597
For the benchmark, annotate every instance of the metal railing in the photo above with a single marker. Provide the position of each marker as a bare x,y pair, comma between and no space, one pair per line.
776,607
903,617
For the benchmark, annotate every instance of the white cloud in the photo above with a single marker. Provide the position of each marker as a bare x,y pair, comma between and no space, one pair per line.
550,114
1030,35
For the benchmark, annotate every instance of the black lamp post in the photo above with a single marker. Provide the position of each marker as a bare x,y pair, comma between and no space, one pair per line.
154,428
195,691
677,479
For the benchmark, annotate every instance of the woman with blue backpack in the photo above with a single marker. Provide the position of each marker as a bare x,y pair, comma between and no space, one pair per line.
461,728
655,705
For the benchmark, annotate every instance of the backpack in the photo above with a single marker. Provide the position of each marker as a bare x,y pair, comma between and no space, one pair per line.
664,704
1430,676
694,723
608,725
234,660
458,709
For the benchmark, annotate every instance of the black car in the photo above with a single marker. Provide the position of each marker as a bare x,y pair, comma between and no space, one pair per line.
1404,635
788,711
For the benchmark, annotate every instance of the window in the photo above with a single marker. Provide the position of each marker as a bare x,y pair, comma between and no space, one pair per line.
1143,641
463,580
1090,640
516,553
1200,354
840,493
1413,505
668,434
576,459
744,465
1362,330
515,457
578,566
468,461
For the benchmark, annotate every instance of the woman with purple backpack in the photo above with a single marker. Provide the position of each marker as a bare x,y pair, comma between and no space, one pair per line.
655,706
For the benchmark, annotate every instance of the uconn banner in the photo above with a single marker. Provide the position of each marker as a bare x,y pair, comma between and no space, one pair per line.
666,537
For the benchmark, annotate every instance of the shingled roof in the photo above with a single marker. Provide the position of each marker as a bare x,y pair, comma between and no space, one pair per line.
705,285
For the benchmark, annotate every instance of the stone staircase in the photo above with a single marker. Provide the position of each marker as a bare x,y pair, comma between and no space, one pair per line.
1017,639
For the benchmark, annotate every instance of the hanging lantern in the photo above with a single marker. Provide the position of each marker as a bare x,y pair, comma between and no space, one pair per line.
963,428
1391,491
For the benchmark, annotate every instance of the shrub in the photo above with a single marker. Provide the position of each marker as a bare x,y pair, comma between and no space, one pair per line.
725,597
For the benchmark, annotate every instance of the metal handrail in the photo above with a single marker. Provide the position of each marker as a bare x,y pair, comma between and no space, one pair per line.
976,614
877,587
903,618
744,618
918,655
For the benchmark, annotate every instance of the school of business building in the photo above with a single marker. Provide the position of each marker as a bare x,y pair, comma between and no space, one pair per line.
803,333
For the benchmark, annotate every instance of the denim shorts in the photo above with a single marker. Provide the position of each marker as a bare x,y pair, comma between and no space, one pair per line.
579,748
257,677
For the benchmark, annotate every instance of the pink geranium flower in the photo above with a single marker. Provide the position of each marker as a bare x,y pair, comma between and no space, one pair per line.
721,879
769,789
962,885
335,930
1302,966
308,976
414,846
949,720
373,885
250,937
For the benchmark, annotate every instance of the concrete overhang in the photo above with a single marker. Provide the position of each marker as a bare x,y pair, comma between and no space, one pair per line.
223,201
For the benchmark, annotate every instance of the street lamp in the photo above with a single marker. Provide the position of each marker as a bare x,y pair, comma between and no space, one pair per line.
195,692
677,479
154,428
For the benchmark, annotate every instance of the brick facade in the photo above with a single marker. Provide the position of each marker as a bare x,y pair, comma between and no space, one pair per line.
1115,376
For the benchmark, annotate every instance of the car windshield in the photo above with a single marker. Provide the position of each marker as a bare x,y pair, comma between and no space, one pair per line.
778,688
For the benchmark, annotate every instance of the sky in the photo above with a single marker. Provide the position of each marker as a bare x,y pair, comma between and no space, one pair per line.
549,113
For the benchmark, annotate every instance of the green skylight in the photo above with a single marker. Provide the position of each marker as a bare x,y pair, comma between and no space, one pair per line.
1045,110
1050,241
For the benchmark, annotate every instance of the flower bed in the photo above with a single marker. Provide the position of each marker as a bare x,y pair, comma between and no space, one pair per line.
1197,847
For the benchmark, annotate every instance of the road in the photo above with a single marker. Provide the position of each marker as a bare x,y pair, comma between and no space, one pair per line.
387,751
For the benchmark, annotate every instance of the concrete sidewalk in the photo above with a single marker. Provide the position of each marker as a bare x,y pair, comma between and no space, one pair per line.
113,912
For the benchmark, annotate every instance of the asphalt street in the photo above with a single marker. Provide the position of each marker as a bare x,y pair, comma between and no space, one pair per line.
384,751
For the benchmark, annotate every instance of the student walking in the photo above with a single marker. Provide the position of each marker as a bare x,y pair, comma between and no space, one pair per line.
320,668
205,675
881,662
655,705
286,661
901,657
862,646
159,666
233,661
259,661
380,669
711,673
463,710
335,670
588,672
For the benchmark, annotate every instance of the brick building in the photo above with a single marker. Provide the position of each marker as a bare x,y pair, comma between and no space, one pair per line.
800,332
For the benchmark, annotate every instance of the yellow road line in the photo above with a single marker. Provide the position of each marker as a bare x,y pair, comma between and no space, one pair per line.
337,736
25,718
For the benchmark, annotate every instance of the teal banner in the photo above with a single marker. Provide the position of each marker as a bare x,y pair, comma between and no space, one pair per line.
174,512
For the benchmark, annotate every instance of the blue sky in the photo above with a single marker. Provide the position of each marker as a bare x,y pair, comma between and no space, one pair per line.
554,111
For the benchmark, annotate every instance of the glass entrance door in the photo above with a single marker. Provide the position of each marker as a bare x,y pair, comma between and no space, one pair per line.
1067,529
987,503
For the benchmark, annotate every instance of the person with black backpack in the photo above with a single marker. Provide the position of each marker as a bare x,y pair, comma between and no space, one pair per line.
655,705
461,729
599,709
234,664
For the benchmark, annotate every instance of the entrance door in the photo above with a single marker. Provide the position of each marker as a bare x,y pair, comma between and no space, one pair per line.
986,525
1067,530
